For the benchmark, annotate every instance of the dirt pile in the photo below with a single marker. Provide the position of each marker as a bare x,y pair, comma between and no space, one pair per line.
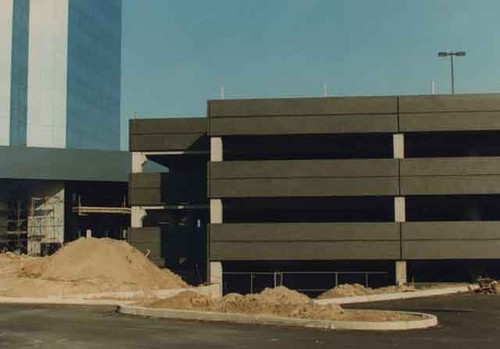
87,265
352,290
279,301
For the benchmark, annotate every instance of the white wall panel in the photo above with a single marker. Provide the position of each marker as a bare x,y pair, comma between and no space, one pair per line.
6,18
47,73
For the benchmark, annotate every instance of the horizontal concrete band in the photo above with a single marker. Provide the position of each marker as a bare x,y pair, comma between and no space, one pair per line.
64,164
449,103
168,126
305,250
302,125
355,115
150,189
305,241
302,106
318,116
303,187
304,231
353,105
192,142
304,168
372,177
145,234
450,185
355,241
168,134
449,121
411,167
353,186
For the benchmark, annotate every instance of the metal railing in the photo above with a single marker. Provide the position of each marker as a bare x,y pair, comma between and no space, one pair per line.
279,278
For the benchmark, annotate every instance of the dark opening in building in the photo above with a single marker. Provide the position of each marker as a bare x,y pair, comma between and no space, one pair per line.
287,147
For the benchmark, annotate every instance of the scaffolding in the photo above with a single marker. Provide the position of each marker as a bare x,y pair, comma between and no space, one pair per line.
81,210
45,226
15,236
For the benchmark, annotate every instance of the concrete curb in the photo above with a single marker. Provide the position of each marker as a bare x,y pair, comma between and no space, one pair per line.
58,301
424,321
100,298
398,295
212,291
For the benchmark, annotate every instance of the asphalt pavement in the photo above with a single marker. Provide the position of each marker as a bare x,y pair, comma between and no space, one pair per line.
466,321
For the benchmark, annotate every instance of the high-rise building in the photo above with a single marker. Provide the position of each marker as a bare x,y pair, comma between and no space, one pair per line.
61,172
60,73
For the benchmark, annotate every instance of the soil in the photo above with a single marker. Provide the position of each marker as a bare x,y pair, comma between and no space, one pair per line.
351,290
87,265
279,301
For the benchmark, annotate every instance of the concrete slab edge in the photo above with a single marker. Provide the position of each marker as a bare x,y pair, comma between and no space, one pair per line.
209,291
424,321
100,298
58,301
398,295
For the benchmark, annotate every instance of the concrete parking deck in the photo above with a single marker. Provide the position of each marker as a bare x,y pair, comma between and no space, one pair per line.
466,321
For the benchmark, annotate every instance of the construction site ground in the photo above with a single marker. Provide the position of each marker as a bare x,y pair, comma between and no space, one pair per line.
99,266
466,321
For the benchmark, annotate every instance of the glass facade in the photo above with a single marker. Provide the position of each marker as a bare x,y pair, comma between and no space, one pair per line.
19,72
60,73
94,74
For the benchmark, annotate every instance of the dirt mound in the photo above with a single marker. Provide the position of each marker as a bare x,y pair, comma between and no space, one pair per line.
283,295
104,260
279,301
394,289
87,265
352,290
187,300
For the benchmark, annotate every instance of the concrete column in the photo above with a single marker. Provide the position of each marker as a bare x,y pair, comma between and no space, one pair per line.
399,209
398,145
398,142
138,161
216,275
216,149
216,211
401,277
137,216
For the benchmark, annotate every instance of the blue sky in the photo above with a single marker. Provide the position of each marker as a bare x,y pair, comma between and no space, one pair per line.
177,54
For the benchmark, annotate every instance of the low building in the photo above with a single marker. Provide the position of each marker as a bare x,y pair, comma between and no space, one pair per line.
49,196
312,192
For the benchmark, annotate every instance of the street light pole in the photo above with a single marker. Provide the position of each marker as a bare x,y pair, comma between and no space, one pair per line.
452,63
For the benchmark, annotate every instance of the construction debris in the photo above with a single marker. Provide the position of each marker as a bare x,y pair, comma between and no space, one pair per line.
488,286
